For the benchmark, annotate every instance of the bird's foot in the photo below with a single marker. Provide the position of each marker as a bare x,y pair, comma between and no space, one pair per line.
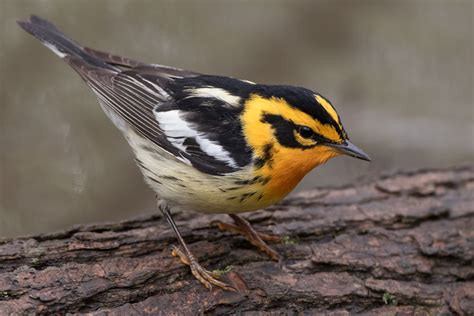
207,278
257,239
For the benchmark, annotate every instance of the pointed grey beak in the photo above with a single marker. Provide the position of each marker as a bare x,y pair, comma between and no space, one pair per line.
349,149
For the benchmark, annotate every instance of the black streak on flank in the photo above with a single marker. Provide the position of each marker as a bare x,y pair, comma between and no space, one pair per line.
243,182
170,178
142,165
254,180
154,180
148,148
246,196
233,188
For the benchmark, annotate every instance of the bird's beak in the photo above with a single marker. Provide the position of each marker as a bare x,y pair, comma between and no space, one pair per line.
349,149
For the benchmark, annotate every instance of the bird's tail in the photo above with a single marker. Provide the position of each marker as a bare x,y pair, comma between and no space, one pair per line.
51,37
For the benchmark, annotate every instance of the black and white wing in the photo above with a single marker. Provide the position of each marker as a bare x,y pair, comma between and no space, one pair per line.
179,111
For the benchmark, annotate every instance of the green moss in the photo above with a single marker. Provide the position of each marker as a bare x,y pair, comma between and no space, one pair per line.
389,299
220,272
35,262
288,240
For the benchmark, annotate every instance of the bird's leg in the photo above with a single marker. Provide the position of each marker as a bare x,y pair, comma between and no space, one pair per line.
257,239
204,276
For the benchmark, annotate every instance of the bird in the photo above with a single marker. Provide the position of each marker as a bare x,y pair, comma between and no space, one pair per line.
207,143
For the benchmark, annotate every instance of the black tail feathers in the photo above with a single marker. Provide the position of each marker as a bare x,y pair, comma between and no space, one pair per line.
58,42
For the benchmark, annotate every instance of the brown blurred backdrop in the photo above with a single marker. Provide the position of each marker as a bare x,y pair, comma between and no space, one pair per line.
399,72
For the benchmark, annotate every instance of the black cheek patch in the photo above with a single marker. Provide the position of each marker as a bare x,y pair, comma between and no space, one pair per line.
284,131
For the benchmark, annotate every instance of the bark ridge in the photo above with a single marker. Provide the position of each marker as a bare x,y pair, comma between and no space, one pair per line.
401,243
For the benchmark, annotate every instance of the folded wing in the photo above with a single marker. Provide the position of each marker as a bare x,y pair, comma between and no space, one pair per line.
197,129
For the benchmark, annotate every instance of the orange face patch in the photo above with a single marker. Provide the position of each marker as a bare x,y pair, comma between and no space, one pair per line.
287,166
259,133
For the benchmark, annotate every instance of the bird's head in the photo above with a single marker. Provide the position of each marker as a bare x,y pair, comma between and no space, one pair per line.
292,130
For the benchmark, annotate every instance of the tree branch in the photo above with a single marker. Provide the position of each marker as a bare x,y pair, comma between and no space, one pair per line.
401,243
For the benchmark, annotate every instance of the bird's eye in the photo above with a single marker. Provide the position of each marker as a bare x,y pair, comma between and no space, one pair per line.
305,131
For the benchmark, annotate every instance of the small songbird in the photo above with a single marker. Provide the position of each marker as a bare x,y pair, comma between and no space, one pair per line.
210,144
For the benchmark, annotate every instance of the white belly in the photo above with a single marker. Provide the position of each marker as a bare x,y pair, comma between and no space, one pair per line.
180,184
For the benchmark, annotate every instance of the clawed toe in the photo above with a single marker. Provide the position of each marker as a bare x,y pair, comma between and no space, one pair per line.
206,277
257,239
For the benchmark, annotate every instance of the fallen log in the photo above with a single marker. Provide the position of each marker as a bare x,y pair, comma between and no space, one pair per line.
402,243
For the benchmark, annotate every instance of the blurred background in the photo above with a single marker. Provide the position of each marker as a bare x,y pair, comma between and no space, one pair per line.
400,74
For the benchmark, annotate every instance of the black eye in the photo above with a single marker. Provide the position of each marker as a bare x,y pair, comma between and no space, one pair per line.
305,131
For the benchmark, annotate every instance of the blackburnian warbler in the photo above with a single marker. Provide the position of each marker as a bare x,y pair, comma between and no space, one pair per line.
211,144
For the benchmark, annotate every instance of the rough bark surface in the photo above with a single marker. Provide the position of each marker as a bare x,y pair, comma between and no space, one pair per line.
403,243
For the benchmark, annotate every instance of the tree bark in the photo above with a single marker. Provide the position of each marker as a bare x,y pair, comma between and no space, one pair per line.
402,243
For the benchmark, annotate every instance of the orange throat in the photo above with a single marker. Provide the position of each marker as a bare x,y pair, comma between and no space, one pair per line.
288,167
